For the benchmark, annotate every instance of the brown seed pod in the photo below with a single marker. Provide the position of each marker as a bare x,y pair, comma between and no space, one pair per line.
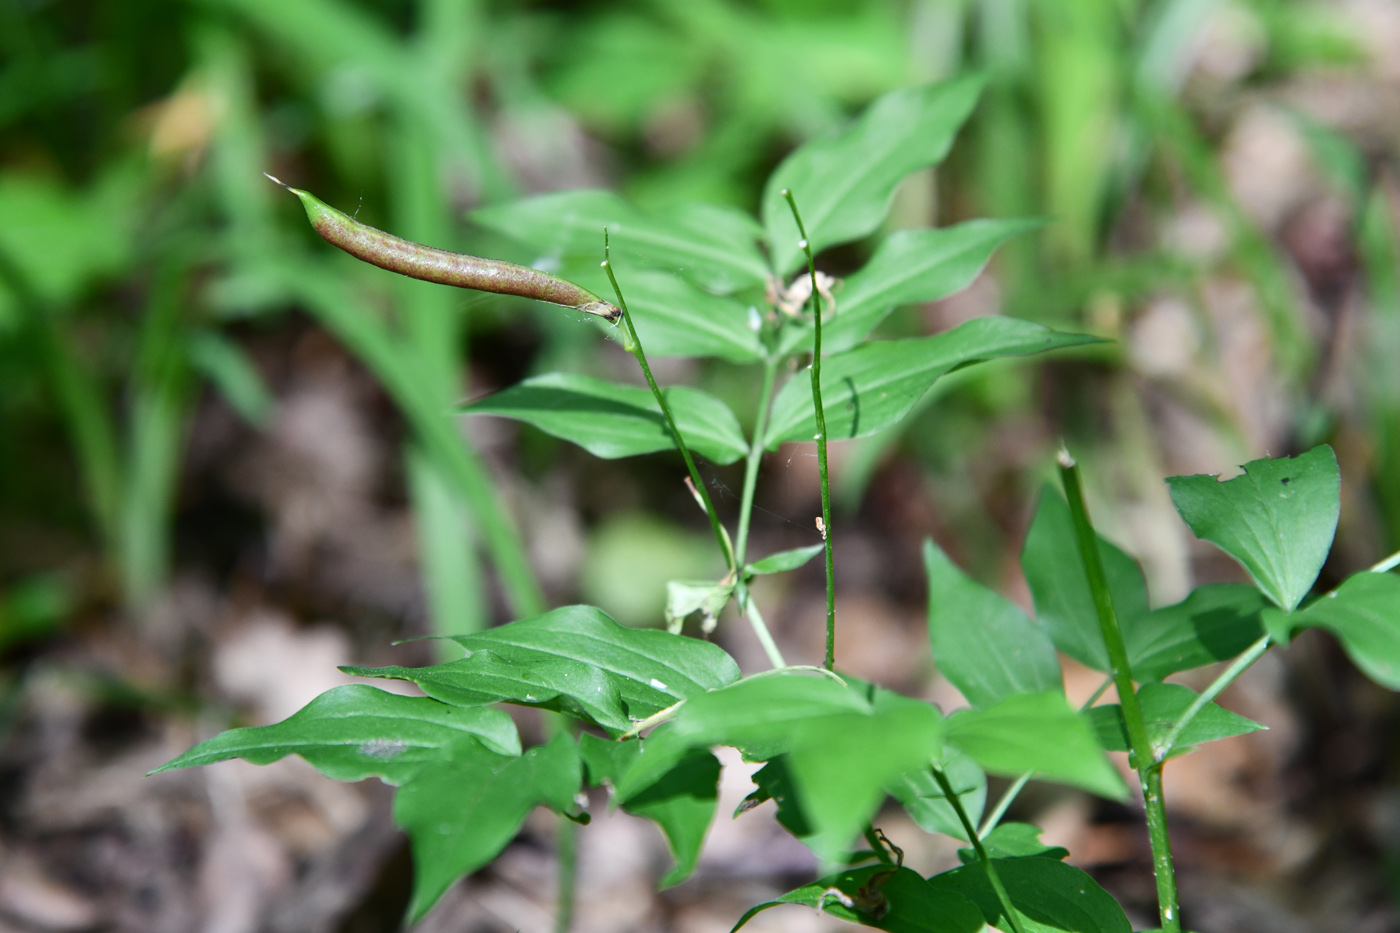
431,264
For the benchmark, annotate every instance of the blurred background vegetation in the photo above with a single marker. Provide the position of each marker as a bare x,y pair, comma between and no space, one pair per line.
212,424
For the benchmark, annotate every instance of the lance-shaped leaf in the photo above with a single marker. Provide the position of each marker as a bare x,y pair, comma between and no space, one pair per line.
1035,732
652,669
1162,707
844,184
1278,519
909,267
461,810
982,642
559,684
1215,623
1364,614
774,783
784,561
1047,895
875,385
1064,604
682,802
611,421
886,898
353,732
714,246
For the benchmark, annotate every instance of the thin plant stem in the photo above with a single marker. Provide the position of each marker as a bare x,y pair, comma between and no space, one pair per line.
760,629
990,821
821,433
951,796
1148,769
635,345
1390,563
755,458
1227,677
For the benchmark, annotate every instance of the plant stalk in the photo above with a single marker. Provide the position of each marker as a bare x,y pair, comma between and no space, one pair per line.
636,348
755,458
821,435
1149,770
951,796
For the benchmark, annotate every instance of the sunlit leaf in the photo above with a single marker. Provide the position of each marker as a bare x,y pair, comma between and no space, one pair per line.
353,732
1035,732
982,642
909,267
611,421
844,184
1278,519
875,385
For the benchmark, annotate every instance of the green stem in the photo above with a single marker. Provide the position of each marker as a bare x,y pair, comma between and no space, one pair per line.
760,629
635,344
821,434
1148,769
1227,677
951,796
1390,563
755,457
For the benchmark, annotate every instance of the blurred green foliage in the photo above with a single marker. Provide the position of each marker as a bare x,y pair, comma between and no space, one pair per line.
140,247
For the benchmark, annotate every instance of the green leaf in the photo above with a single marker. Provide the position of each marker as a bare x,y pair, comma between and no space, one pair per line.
875,385
462,809
918,792
1162,707
759,716
1364,614
1014,840
1278,519
611,421
1048,896
886,898
1035,732
1215,623
1064,604
841,764
682,802
674,318
982,642
652,669
715,247
562,685
353,732
844,184
783,561
909,267
684,597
